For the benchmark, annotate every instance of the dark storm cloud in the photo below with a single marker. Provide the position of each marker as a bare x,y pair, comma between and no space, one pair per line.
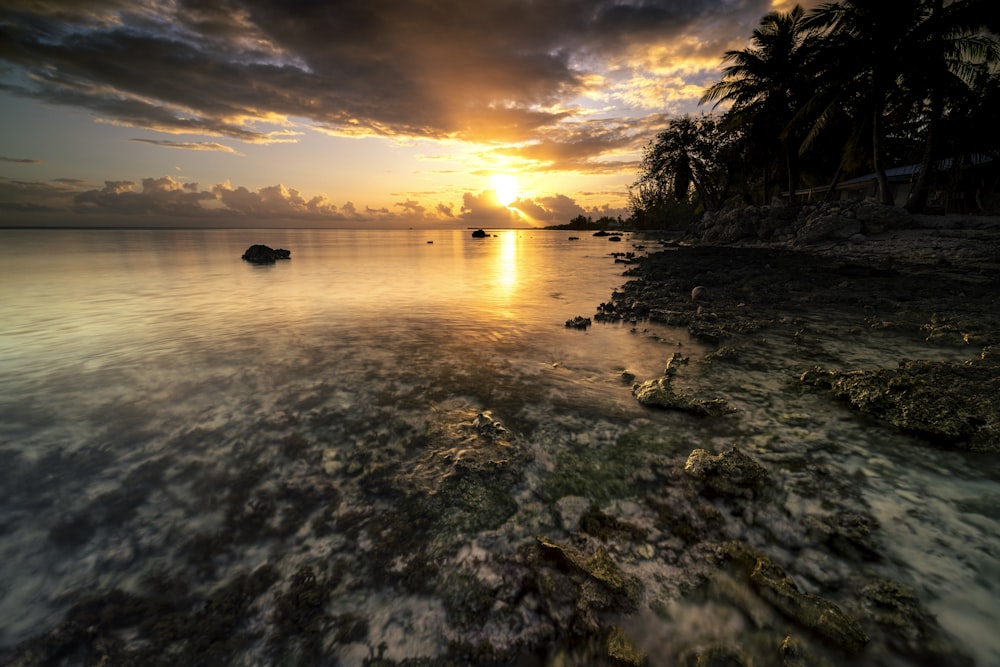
494,71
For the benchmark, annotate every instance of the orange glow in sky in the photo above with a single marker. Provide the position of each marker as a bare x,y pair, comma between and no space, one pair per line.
439,113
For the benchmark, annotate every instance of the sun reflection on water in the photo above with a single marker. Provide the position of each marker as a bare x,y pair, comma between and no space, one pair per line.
507,260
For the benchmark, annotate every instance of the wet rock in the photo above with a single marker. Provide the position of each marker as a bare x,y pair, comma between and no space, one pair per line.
175,627
262,254
607,528
622,651
827,228
464,478
731,473
300,620
586,582
795,653
570,510
717,655
659,393
674,363
951,404
911,630
686,519
578,322
479,234
878,218
598,566
810,611
846,533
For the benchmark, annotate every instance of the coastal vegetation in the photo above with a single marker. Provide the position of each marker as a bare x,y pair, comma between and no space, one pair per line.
819,97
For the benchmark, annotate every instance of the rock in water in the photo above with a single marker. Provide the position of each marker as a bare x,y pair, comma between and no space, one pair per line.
479,234
731,473
262,254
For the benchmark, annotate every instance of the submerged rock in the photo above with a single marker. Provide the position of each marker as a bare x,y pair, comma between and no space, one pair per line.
717,655
953,404
910,629
463,480
262,254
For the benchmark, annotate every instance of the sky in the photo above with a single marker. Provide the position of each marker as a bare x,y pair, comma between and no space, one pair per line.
378,113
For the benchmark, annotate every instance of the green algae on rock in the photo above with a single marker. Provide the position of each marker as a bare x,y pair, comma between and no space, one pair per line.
466,473
951,404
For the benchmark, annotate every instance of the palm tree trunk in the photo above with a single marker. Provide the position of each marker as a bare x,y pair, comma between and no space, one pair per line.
918,196
832,190
884,193
793,180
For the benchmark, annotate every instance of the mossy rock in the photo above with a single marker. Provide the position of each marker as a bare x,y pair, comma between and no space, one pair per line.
603,474
909,628
622,651
588,582
954,404
731,473
464,478
813,612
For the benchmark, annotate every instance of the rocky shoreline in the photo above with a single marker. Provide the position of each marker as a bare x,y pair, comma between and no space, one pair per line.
852,269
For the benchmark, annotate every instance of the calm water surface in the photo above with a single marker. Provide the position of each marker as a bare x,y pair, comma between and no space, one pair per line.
141,370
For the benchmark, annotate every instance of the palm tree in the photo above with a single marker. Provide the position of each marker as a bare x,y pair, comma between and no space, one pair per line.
765,83
957,57
891,59
684,163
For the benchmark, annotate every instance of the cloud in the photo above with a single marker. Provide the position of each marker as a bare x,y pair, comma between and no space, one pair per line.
188,145
166,198
280,202
35,196
19,160
512,71
549,210
160,196
483,209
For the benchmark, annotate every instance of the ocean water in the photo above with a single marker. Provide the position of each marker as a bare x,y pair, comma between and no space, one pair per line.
169,412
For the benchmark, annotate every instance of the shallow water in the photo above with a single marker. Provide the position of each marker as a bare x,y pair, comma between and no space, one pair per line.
156,391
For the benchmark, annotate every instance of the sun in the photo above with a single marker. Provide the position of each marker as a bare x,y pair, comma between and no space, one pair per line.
505,186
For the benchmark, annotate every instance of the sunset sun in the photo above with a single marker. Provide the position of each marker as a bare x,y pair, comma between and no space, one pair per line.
505,186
